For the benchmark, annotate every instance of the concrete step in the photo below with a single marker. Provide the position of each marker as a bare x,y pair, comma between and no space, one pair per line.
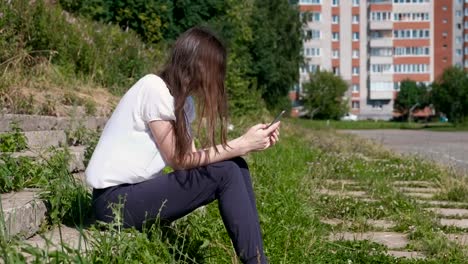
23,212
60,237
390,239
38,123
44,139
76,161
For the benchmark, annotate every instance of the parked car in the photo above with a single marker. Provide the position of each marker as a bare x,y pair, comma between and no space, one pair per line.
349,117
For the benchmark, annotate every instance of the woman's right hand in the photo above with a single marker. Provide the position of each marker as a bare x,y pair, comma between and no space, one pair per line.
260,137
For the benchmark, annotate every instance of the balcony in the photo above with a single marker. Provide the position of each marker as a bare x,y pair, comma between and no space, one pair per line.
382,90
375,59
381,25
381,42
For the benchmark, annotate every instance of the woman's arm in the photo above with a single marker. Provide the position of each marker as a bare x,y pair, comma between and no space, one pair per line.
258,137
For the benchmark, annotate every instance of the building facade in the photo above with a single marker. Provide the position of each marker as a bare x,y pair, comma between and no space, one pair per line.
375,44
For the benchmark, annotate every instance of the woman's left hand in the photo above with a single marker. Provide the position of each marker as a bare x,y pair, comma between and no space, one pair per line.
274,136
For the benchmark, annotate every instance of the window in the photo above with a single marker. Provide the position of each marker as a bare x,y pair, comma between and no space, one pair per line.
335,36
355,19
411,68
336,70
458,13
466,24
312,52
381,16
335,19
381,68
466,37
466,63
335,2
411,16
411,51
355,88
355,70
459,52
335,53
410,1
314,17
444,8
313,34
355,36
411,34
466,11
458,40
310,68
466,50
315,2
355,105
355,2
355,53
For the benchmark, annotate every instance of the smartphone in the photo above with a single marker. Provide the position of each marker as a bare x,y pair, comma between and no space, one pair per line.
278,117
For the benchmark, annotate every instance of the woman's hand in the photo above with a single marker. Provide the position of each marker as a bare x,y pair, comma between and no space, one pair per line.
260,137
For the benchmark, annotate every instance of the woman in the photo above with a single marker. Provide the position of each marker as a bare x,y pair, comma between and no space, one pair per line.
150,128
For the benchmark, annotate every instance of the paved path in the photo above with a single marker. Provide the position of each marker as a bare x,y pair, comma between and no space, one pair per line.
449,148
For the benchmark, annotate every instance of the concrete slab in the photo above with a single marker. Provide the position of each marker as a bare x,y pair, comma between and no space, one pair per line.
58,237
442,203
341,181
76,153
461,239
460,223
23,212
332,221
414,183
343,193
406,254
380,224
419,190
391,240
420,195
44,139
37,123
447,212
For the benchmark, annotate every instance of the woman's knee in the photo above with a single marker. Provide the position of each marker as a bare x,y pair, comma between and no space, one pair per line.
240,162
225,171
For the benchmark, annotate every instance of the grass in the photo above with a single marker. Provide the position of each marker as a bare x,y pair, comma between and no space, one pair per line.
286,180
333,124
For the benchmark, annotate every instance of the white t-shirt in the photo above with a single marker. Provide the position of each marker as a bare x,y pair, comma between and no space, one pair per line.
126,151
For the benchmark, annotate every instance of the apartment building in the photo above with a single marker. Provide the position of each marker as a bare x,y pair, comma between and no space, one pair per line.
375,44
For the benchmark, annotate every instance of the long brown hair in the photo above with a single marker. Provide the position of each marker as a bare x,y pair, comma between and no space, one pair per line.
197,67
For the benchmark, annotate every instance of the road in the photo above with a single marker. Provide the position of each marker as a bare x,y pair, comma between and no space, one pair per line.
449,148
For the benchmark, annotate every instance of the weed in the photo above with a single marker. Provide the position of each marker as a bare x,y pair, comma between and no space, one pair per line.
70,98
48,107
13,141
90,107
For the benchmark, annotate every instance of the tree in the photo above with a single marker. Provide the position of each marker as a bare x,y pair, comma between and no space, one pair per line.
151,19
450,94
324,95
411,96
276,48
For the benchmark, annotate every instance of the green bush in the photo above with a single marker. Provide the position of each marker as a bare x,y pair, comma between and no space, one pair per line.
90,50
13,141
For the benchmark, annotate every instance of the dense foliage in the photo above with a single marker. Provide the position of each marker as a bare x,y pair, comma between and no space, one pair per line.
35,32
450,94
412,95
324,95
263,37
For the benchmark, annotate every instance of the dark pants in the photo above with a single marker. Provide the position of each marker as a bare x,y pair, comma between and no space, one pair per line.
174,195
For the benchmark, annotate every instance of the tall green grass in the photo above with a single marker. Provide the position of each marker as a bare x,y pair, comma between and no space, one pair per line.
364,124
35,33
286,179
